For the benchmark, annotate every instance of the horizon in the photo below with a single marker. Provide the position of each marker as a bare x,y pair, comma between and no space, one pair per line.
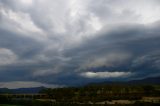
56,43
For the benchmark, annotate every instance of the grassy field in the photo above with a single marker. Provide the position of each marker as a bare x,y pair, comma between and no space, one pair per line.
8,105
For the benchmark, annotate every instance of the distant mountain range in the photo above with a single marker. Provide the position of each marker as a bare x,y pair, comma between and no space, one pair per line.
151,80
22,90
145,81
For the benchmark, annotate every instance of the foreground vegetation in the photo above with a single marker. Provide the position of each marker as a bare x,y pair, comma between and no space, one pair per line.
99,93
93,95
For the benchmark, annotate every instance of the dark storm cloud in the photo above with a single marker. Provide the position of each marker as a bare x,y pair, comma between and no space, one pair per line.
136,42
128,49
85,41
19,44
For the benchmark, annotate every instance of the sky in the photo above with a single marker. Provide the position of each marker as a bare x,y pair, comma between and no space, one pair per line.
55,43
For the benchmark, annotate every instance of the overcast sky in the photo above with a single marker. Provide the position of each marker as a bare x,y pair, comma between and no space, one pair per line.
58,43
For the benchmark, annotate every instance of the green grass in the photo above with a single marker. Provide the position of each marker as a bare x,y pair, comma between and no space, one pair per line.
8,105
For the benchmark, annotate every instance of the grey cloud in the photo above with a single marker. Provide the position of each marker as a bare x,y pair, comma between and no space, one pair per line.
6,56
128,46
54,41
19,44
137,43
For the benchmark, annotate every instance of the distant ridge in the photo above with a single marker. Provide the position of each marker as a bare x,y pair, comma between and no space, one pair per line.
145,81
22,90
150,80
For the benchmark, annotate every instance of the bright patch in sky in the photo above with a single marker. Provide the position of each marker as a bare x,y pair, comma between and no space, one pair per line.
105,74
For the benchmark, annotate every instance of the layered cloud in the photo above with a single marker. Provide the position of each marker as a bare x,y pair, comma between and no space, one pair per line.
6,57
25,84
76,41
105,74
